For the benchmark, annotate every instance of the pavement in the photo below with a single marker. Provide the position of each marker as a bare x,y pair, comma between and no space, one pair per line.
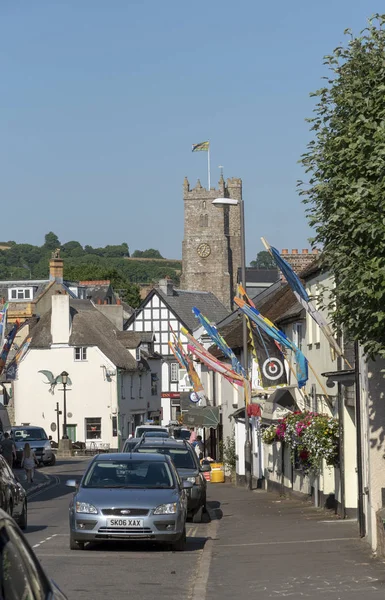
257,544
41,480
266,546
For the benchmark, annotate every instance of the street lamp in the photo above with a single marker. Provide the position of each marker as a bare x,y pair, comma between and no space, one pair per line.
64,380
248,452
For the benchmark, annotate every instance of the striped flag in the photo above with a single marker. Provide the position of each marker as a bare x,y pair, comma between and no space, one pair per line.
201,147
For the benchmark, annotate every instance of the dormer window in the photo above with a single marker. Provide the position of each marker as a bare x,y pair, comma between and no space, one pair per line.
20,294
138,354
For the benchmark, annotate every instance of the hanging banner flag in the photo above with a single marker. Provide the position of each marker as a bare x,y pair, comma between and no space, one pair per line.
279,336
215,365
7,345
11,370
218,340
186,363
3,323
302,296
266,352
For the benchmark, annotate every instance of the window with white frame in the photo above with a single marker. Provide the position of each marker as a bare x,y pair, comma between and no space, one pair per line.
297,335
81,353
20,294
174,372
93,428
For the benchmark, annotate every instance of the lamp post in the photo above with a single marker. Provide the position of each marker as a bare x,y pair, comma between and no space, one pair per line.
64,380
248,449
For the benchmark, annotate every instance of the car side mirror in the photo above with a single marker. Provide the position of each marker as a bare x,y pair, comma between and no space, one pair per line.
72,483
186,485
205,468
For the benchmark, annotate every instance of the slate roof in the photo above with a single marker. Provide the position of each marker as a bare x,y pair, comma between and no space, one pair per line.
89,328
255,275
99,292
279,305
133,339
183,301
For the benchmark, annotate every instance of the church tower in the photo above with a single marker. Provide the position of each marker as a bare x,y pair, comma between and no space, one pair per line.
211,249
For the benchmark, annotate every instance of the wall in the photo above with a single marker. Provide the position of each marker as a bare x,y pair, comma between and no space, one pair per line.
373,418
90,395
215,273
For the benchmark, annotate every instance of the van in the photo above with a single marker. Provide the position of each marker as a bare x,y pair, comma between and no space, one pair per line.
37,439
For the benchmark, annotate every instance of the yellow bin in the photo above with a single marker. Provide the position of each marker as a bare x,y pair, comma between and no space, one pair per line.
217,473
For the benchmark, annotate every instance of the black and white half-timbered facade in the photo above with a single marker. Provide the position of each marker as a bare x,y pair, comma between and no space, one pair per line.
167,306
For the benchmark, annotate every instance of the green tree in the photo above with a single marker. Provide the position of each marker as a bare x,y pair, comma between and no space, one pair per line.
264,260
51,241
345,194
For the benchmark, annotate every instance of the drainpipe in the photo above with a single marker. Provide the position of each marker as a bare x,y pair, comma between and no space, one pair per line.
341,418
360,499
118,388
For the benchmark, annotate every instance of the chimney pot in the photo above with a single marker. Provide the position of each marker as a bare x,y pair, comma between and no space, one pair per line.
315,251
285,251
294,251
99,301
118,302
105,302
305,251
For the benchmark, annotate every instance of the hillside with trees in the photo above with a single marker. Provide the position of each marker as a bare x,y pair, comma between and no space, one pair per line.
25,261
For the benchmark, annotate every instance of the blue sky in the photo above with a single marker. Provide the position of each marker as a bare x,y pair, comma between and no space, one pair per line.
101,101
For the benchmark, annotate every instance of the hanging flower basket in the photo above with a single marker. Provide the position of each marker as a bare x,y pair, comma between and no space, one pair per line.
311,437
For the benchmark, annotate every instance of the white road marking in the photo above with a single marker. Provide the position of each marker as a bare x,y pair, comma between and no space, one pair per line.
287,542
44,541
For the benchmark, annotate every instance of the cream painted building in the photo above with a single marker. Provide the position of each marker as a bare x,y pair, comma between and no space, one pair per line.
115,381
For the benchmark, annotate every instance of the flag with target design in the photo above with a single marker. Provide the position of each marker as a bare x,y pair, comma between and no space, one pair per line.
270,360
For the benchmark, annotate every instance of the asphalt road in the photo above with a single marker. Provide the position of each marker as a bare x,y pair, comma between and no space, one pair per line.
107,570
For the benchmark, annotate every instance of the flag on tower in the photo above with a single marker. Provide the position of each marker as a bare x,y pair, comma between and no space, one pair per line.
201,147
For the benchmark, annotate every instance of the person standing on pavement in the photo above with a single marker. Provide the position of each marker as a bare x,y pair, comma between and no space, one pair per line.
199,447
8,449
193,435
28,462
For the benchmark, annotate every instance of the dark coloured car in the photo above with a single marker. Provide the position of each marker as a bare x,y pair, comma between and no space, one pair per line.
37,439
13,498
187,464
21,574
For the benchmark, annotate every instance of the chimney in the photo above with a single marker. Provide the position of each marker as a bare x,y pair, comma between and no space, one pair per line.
56,267
305,251
285,251
60,319
166,286
294,251
118,301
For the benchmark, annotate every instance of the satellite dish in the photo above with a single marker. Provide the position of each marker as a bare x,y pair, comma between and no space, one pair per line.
69,415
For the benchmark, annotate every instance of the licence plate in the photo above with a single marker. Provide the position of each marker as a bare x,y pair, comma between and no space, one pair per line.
119,522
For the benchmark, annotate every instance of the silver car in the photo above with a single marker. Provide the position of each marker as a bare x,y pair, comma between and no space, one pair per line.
129,497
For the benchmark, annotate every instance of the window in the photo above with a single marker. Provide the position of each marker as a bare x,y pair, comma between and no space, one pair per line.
93,428
81,353
20,294
138,354
114,426
174,372
154,384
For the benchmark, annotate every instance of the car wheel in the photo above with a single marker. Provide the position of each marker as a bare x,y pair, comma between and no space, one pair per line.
22,521
74,545
180,544
52,462
197,518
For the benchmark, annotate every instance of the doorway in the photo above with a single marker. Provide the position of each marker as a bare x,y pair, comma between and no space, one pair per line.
71,432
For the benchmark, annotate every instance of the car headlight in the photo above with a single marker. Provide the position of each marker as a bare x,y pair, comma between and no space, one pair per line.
195,480
47,445
84,507
166,509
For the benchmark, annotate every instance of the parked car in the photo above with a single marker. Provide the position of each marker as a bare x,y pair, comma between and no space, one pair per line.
129,497
22,575
13,498
188,467
37,439
141,429
130,444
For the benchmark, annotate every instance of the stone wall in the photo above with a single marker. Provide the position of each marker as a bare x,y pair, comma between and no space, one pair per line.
211,249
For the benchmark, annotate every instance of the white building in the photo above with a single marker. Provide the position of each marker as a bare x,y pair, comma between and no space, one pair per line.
163,307
114,379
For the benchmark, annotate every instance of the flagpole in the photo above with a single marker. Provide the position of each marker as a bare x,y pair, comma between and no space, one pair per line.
208,166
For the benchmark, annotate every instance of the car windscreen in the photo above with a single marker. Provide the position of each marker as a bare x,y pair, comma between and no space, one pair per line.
182,434
141,430
144,474
29,435
156,434
181,457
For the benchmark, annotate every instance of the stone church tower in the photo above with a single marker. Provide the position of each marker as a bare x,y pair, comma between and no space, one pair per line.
211,249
